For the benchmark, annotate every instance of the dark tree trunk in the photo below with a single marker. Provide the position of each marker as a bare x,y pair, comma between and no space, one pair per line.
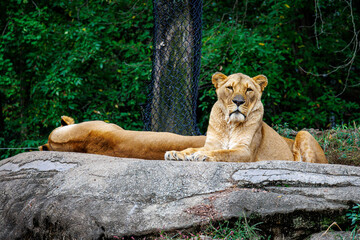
176,67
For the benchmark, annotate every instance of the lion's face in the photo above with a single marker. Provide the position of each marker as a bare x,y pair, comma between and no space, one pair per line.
239,94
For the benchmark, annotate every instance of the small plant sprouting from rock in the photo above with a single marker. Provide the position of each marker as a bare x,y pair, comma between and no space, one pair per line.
354,217
240,230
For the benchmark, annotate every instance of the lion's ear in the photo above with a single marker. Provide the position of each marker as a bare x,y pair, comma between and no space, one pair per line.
65,120
218,79
261,80
44,147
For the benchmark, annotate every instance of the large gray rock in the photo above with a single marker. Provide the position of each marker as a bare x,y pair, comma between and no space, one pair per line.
55,195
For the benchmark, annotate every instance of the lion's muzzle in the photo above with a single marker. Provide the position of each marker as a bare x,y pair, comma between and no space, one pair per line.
238,100
236,115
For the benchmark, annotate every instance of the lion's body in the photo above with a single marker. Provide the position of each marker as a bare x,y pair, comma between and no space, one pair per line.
237,133
103,138
273,146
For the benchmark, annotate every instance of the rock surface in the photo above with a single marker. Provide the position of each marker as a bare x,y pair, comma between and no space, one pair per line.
335,236
56,195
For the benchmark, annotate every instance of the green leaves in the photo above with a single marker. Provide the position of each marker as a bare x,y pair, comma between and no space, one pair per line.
277,39
92,60
77,59
354,215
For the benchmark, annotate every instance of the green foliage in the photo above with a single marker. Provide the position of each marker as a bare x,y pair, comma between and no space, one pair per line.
89,60
341,144
354,215
92,60
240,230
298,55
220,230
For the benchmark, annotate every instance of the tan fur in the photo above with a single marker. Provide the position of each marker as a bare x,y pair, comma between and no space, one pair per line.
99,137
236,132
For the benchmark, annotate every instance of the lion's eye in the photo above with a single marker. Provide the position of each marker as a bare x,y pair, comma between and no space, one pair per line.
230,88
248,90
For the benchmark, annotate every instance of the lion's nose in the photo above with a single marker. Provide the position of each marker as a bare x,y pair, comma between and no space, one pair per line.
238,100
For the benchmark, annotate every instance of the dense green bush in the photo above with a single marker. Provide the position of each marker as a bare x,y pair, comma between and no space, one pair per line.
88,60
282,40
92,60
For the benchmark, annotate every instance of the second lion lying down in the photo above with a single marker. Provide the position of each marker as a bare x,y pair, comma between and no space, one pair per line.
99,137
237,133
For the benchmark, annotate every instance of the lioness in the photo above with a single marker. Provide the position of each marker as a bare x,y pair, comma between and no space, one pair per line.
237,133
103,138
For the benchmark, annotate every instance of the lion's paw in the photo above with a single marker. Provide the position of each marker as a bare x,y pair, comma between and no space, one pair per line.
174,156
179,156
196,157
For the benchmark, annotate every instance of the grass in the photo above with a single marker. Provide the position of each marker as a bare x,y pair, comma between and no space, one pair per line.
341,144
241,229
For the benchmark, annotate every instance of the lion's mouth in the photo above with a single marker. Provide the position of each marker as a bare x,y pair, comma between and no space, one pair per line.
237,111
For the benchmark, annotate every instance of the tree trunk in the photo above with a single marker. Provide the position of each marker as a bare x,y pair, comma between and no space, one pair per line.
176,67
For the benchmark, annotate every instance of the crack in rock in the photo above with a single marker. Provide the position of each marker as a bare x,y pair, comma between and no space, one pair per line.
38,165
270,176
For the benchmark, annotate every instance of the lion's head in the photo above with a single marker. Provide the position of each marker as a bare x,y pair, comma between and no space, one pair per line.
240,94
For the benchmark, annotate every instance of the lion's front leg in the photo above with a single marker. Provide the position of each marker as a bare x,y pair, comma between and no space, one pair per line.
202,154
189,154
226,155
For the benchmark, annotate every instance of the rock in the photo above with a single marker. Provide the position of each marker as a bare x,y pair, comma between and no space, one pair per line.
335,236
57,195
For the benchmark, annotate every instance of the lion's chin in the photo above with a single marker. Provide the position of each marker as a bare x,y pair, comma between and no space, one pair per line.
236,117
